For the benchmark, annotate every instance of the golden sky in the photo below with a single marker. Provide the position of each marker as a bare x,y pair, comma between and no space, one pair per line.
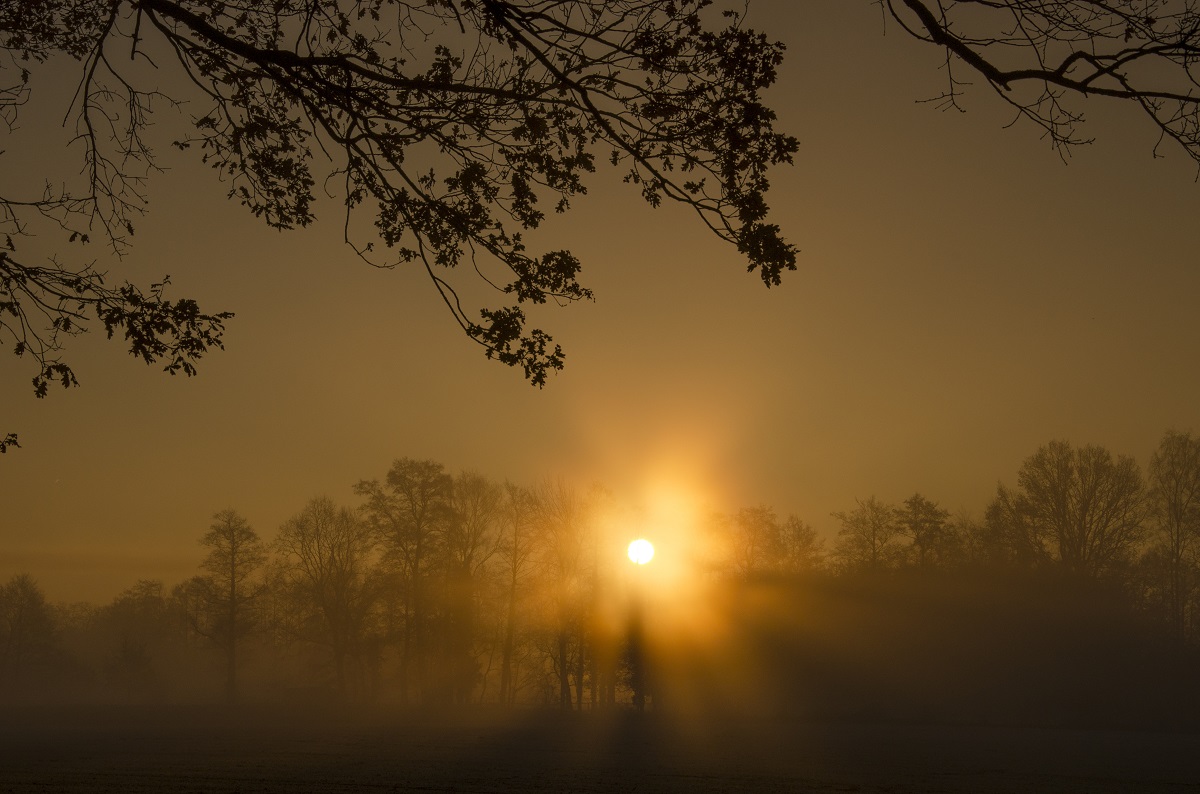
963,297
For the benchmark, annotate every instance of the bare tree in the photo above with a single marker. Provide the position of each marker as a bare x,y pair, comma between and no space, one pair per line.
1174,480
235,556
978,544
26,633
470,539
408,513
869,538
927,529
141,636
1078,508
757,544
326,556
802,549
1045,58
516,551
562,527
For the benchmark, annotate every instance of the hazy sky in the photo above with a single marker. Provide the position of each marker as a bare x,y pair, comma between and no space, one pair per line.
962,298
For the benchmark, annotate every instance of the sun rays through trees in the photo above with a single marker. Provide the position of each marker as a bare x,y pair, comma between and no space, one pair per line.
448,589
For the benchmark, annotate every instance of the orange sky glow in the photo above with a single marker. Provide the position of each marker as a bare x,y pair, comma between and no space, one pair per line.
962,298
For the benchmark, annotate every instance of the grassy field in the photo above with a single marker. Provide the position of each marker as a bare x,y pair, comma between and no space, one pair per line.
206,750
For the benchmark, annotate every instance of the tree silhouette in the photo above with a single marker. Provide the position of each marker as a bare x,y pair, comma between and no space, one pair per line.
454,126
1045,57
408,513
470,539
1174,481
1079,508
562,523
757,544
235,555
516,557
26,632
925,525
141,634
963,636
325,552
802,550
869,538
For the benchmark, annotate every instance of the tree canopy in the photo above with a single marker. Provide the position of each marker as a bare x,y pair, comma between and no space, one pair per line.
1077,507
447,129
453,126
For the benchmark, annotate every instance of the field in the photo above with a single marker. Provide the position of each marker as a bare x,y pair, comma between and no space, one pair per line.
203,750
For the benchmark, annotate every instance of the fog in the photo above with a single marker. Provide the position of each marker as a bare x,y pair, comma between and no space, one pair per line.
452,633
925,515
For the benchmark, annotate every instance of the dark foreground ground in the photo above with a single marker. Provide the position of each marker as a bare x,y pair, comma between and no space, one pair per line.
200,750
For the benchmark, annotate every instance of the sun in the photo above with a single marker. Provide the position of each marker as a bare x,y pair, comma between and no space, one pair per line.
641,551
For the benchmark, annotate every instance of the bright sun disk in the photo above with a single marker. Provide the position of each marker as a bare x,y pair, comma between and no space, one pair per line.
641,551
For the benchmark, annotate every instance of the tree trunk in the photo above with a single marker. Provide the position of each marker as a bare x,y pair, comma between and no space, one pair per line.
580,666
231,649
509,631
564,675
406,653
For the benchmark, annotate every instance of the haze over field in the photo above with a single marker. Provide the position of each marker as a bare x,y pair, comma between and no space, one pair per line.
923,515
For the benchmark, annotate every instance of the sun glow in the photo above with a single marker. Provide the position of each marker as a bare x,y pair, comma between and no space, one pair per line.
641,551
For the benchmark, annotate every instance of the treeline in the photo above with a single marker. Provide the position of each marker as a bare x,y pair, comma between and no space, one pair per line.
452,589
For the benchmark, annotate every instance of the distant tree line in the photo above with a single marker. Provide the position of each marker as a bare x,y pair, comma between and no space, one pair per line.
441,588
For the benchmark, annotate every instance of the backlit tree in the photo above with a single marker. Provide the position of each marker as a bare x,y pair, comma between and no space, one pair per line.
1174,483
1046,58
235,555
1077,507
447,130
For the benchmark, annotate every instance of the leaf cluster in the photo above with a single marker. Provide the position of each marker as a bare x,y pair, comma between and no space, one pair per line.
448,129
43,306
